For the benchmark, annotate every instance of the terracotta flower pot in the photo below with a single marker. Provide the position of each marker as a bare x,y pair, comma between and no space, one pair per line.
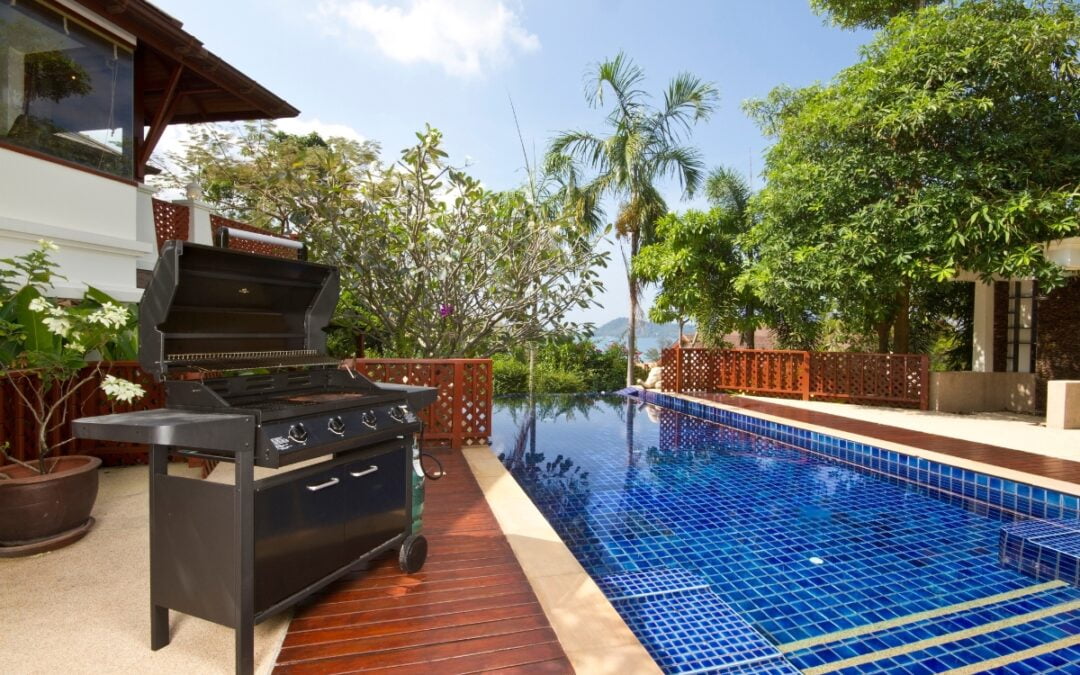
42,512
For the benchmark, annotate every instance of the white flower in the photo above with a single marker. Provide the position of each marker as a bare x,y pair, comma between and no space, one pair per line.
57,325
39,305
110,315
47,245
434,232
120,389
481,229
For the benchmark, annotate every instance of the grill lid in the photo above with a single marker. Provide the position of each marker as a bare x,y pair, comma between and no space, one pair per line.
214,308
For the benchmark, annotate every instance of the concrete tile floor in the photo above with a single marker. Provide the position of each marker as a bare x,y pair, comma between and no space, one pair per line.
85,608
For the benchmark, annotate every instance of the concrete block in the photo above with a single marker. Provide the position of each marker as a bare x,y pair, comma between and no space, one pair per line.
1063,404
967,392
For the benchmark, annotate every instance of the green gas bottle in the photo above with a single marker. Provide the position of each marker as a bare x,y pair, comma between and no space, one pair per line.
417,489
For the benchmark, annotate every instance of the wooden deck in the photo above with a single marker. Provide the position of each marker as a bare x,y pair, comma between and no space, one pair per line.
1016,460
470,609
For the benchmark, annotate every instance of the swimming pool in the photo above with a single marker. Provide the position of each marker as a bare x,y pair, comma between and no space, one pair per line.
725,551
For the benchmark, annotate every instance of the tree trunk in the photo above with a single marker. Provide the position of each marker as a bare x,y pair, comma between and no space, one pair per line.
682,323
631,334
882,330
902,322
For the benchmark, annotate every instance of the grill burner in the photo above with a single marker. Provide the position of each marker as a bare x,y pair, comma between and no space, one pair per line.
236,554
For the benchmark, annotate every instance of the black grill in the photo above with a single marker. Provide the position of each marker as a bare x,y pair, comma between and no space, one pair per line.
240,341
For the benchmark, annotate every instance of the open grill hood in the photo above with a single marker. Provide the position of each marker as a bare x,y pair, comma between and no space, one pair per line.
210,309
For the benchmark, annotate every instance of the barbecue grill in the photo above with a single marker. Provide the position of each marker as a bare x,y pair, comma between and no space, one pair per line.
239,341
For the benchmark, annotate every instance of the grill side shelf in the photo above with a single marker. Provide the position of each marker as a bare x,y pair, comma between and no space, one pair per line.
209,431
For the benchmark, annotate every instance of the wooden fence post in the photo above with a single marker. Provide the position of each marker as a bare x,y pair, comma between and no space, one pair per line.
805,375
924,382
678,368
456,417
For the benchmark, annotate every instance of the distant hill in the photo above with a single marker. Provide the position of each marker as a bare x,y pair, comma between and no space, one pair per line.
616,330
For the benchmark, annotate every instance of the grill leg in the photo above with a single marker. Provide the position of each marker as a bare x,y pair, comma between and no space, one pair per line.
244,523
159,616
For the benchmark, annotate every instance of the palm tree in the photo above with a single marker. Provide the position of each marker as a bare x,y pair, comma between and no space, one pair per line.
644,144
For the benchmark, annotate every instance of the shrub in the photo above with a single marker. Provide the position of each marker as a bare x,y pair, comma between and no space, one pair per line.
558,381
562,366
509,375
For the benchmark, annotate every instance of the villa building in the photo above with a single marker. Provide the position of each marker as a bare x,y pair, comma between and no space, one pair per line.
87,87
1025,336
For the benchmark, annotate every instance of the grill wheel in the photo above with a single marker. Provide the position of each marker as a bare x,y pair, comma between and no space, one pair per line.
413,553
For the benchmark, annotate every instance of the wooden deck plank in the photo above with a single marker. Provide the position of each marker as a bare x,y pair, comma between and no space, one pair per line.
429,654
470,609
1006,458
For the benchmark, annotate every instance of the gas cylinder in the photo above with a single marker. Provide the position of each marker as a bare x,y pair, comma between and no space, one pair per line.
417,489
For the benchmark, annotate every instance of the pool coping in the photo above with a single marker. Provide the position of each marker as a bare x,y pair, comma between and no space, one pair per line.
589,628
989,469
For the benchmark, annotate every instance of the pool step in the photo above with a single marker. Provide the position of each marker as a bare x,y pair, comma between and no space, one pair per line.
687,628
1044,549
1040,623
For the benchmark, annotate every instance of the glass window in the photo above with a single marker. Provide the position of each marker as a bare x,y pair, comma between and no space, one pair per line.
65,90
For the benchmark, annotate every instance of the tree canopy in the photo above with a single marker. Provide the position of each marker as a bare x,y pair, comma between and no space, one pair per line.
431,263
867,13
699,258
954,144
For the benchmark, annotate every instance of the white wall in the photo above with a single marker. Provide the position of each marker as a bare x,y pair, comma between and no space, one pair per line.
92,219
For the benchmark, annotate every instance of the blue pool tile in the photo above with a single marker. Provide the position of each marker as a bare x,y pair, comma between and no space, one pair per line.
797,543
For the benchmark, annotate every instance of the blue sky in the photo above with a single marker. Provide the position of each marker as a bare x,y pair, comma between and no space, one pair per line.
381,69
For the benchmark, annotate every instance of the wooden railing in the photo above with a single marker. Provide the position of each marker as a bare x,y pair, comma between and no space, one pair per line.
461,415
885,379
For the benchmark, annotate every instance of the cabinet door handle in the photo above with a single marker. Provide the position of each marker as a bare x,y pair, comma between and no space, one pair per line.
330,483
358,474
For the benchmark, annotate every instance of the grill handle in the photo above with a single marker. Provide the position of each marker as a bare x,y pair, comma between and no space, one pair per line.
330,483
357,474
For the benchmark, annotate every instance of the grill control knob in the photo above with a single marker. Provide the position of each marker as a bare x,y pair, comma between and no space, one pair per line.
336,425
297,433
397,413
368,418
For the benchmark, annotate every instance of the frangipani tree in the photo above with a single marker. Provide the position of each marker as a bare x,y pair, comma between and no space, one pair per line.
46,346
432,263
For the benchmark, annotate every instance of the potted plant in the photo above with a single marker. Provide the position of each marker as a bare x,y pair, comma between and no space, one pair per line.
52,354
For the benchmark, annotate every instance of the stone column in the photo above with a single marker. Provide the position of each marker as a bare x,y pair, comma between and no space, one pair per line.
145,229
199,212
982,348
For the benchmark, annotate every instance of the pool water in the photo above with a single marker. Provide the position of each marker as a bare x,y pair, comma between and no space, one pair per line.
727,552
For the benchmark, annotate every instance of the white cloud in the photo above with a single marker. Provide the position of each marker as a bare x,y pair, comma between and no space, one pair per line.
465,37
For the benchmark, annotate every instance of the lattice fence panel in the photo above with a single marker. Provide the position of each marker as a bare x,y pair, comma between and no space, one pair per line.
475,401
17,425
893,379
171,221
217,222
461,413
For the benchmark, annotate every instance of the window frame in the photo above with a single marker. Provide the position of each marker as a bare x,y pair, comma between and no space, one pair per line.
137,132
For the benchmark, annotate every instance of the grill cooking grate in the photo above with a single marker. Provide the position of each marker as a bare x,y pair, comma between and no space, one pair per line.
242,360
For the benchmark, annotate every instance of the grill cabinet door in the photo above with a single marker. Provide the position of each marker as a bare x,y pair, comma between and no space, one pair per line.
376,492
298,531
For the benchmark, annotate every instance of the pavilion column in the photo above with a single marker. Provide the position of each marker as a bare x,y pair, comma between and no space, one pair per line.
982,348
199,230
